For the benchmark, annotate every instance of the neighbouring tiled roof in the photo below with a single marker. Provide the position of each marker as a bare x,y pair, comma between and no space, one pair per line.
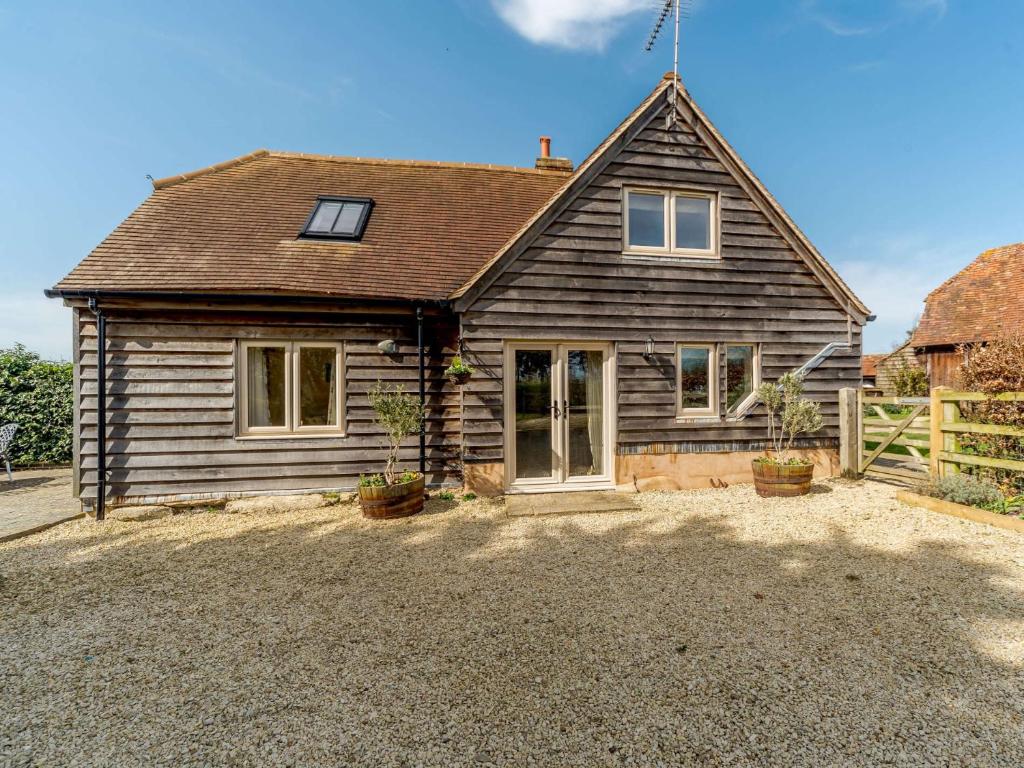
869,364
981,302
234,227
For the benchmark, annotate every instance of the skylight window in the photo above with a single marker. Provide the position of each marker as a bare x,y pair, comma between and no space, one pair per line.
338,218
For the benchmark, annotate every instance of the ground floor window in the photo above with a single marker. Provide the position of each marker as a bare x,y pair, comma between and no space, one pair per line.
741,375
698,378
290,387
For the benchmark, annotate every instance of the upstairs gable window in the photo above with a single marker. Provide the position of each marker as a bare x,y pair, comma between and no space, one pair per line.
670,222
338,218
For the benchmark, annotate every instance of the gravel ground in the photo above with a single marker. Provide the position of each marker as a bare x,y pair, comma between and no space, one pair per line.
706,628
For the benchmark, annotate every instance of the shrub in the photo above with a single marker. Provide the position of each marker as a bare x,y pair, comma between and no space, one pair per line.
39,397
910,380
963,489
1013,506
401,415
468,496
446,496
995,368
371,481
796,414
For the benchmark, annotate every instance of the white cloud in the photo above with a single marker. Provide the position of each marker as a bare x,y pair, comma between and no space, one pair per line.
41,324
852,19
895,278
573,24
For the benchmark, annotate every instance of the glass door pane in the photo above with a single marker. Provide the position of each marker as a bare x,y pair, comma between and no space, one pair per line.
534,431
585,390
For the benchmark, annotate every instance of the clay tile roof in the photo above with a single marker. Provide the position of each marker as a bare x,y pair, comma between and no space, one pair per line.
983,301
869,364
234,227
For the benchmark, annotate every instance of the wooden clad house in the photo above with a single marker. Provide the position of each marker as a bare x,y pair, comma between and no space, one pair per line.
980,303
618,316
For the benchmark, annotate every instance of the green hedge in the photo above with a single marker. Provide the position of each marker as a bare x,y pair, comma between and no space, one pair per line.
38,396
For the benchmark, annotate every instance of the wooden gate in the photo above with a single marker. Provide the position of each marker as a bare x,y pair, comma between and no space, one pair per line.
888,436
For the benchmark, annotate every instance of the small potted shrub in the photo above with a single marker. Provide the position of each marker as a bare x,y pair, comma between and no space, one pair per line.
458,372
789,415
389,495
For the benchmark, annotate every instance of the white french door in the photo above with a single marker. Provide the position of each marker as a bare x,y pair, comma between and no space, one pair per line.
559,415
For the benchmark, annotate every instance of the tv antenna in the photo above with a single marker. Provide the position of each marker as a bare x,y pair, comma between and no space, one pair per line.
677,8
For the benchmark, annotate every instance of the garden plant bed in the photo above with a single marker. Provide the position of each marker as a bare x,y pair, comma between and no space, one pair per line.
962,511
702,628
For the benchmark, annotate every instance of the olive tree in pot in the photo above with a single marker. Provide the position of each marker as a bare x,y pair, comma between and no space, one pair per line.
389,495
789,415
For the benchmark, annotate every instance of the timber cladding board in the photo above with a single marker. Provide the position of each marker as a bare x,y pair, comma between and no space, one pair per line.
572,282
171,421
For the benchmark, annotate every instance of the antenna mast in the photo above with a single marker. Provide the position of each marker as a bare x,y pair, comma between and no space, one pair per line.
667,7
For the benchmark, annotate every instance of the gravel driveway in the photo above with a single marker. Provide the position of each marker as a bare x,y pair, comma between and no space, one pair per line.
706,628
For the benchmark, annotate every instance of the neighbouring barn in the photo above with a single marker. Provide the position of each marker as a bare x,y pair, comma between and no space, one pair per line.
869,370
981,302
619,317
884,367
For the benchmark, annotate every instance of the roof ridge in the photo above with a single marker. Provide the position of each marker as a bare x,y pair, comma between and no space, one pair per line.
170,181
417,163
968,265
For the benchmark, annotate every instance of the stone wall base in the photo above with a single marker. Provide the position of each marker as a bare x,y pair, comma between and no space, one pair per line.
665,472
678,471
484,479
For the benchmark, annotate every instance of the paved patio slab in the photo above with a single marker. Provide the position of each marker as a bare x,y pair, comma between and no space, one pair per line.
569,503
37,499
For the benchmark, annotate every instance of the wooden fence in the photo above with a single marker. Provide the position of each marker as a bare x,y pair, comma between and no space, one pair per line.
921,438
947,425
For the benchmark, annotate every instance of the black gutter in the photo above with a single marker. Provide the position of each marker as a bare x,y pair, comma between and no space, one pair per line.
101,409
59,293
423,389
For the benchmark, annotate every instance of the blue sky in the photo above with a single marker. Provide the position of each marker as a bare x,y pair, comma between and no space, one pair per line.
889,130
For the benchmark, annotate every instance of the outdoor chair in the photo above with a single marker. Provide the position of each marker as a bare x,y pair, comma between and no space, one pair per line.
6,436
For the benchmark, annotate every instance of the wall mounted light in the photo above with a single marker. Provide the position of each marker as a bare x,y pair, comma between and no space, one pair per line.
649,349
388,347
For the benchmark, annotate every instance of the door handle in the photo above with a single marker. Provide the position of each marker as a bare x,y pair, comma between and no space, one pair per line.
565,409
554,409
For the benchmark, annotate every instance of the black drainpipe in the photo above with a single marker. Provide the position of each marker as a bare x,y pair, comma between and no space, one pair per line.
423,389
101,409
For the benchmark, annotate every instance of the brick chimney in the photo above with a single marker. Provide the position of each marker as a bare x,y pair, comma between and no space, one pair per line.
548,163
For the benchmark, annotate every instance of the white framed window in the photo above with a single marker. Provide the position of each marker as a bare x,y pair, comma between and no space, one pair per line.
742,375
696,380
290,388
670,223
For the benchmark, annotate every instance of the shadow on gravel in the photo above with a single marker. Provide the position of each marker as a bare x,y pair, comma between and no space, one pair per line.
462,638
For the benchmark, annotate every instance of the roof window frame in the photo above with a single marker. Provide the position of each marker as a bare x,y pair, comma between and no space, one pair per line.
360,228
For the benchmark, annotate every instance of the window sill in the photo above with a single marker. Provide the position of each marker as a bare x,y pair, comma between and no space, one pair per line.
293,436
710,419
696,258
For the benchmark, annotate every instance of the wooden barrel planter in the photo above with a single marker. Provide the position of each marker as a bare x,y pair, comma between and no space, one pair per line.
782,479
388,501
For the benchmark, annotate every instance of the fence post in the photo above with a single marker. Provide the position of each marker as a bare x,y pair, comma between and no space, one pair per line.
850,438
950,440
935,442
